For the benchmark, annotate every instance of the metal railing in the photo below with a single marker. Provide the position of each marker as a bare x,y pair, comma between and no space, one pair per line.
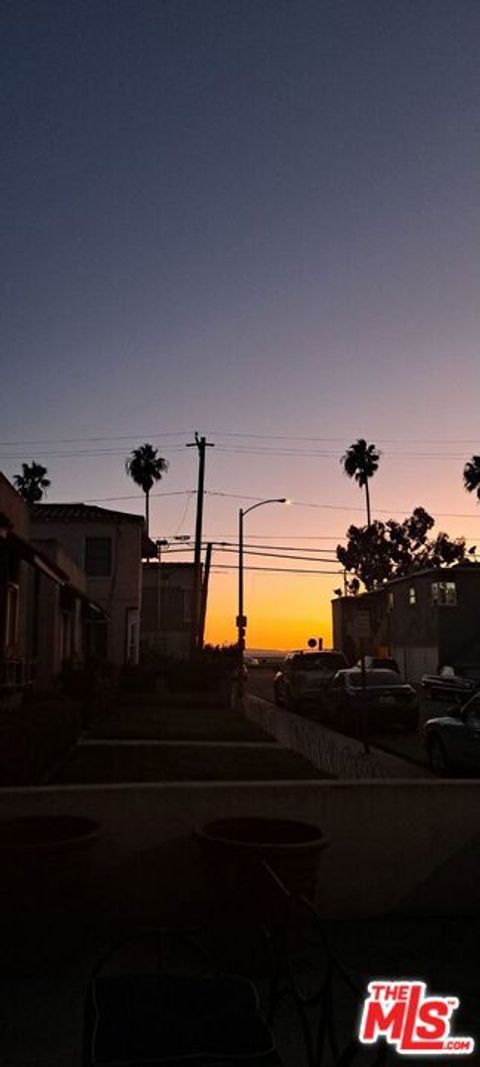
16,673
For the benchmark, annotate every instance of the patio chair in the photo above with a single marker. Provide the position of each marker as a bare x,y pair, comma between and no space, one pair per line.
310,991
182,1009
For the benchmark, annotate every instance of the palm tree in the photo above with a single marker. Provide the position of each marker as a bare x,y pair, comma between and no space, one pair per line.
361,462
146,467
471,476
32,483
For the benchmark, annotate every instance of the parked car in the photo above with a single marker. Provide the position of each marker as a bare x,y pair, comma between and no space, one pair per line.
389,702
452,682
304,678
453,740
373,663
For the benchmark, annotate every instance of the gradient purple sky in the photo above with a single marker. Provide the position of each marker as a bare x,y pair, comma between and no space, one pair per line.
254,217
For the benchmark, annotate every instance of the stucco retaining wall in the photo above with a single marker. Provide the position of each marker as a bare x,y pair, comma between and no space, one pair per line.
394,845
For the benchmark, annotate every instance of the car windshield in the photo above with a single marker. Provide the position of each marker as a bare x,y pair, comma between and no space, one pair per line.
320,661
375,678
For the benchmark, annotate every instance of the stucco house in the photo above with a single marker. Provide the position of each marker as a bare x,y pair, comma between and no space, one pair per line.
45,611
107,546
424,619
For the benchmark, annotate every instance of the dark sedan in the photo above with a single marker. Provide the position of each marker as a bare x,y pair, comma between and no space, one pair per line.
453,740
380,694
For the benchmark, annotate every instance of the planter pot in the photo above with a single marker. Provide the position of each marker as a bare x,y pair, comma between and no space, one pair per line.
45,866
233,851
242,897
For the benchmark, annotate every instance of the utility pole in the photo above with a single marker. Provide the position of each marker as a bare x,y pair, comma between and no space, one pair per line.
201,444
203,605
162,542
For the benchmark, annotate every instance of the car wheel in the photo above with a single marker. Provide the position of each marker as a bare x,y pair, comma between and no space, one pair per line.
278,698
290,704
437,757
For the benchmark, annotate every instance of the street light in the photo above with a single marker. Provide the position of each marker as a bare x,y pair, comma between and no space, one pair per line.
241,618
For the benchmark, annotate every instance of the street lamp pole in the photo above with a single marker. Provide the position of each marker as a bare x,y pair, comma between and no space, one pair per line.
241,618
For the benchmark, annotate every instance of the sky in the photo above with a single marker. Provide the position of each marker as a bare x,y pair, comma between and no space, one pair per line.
257,219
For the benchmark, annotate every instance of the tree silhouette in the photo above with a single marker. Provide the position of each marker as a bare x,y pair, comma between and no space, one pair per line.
381,551
361,462
471,476
32,483
146,467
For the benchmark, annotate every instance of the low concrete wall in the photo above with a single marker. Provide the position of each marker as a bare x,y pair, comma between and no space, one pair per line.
333,753
407,846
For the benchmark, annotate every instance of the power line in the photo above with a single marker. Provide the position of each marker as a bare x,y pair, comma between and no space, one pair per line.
323,454
135,496
246,449
246,435
255,552
276,570
278,548
184,515
276,537
79,453
345,507
107,437
339,440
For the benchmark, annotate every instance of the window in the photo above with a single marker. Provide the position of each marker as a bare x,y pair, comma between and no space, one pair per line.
98,557
412,595
444,594
97,639
374,679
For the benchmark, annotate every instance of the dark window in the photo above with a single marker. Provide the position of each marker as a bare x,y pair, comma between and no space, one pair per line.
374,678
97,639
318,661
98,557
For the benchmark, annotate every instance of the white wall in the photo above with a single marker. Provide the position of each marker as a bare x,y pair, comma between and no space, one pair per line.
415,662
